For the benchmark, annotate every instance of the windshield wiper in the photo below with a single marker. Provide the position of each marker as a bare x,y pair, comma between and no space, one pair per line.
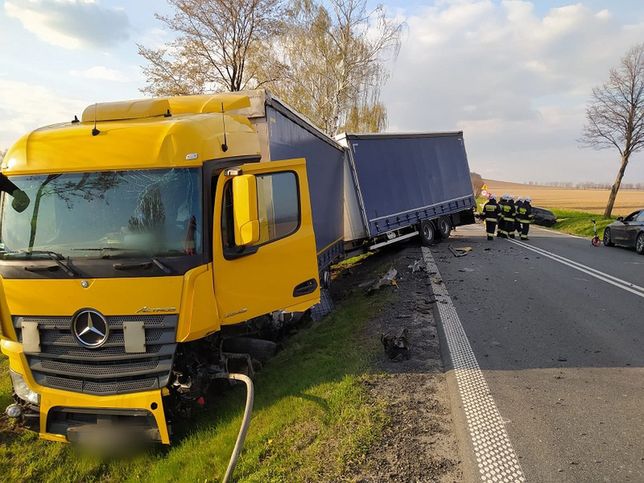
143,265
55,256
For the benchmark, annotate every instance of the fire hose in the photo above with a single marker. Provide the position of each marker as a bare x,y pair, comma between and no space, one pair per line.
239,444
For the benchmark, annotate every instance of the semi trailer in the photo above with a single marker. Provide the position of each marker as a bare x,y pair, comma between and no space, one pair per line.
159,230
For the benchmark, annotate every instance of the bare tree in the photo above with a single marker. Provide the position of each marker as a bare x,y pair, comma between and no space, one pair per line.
218,46
615,115
335,63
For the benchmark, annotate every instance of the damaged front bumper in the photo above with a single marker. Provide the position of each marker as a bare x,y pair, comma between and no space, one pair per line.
67,416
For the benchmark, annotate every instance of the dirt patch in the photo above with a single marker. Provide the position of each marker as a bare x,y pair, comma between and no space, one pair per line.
418,442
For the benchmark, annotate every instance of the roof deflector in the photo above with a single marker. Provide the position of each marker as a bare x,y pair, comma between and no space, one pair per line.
123,110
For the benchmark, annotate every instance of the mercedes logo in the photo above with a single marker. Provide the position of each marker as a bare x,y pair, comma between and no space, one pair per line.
90,328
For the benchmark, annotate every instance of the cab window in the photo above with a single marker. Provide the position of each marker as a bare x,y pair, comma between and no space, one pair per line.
278,206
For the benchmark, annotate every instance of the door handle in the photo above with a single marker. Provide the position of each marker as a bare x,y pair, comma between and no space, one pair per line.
305,288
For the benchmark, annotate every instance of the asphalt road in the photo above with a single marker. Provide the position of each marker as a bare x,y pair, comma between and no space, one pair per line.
562,349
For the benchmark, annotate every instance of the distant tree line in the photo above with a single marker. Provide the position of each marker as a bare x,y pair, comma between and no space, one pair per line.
587,185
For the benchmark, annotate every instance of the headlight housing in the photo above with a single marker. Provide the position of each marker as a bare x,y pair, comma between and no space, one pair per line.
22,390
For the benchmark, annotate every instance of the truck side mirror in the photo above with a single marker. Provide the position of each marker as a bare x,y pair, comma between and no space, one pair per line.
20,200
245,212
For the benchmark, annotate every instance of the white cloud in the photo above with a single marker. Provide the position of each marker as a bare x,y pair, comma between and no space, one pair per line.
515,81
70,24
25,106
100,72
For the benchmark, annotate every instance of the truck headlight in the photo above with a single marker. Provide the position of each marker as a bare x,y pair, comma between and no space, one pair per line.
22,390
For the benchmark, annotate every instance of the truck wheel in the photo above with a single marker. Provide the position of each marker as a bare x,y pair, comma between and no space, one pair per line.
607,240
444,227
427,233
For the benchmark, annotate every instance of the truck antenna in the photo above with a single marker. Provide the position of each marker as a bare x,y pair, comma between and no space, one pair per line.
95,131
224,146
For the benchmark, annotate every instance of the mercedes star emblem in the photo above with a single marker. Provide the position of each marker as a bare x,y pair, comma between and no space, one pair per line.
90,328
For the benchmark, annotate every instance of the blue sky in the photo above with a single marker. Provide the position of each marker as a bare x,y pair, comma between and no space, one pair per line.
514,75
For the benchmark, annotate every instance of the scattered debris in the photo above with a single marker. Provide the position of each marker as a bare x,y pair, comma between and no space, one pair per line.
396,347
465,269
459,252
388,278
417,266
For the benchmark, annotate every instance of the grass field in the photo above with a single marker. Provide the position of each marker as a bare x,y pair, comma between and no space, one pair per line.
580,222
591,201
312,418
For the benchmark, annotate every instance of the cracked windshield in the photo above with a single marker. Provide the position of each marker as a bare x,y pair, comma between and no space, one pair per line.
155,212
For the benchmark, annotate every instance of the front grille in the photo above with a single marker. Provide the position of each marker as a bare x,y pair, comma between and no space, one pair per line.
64,364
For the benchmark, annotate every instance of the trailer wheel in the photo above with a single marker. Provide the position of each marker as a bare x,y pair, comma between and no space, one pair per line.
444,227
427,233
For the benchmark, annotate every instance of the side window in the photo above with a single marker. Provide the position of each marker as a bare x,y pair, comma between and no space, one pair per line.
632,216
641,216
227,232
278,204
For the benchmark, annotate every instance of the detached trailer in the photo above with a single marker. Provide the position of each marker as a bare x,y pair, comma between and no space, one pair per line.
397,186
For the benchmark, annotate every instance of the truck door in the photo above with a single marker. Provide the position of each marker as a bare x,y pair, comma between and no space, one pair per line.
278,269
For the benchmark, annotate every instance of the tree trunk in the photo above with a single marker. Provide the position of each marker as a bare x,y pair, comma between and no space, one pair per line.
615,188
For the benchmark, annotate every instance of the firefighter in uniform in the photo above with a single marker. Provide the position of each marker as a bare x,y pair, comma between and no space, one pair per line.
510,227
491,216
505,215
526,216
517,221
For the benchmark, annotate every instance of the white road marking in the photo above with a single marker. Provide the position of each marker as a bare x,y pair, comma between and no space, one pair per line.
617,282
560,233
495,457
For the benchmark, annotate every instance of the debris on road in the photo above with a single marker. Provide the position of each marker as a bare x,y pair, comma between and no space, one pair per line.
417,266
466,270
460,251
396,346
388,278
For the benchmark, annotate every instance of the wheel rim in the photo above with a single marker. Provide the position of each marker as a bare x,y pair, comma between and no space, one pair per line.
606,237
427,231
640,243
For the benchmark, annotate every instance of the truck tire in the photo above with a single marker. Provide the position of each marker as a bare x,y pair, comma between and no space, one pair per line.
444,227
427,233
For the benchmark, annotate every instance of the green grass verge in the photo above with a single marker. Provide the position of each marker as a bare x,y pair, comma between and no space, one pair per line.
312,418
579,222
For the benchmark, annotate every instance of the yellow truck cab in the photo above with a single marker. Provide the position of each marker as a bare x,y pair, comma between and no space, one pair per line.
151,228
